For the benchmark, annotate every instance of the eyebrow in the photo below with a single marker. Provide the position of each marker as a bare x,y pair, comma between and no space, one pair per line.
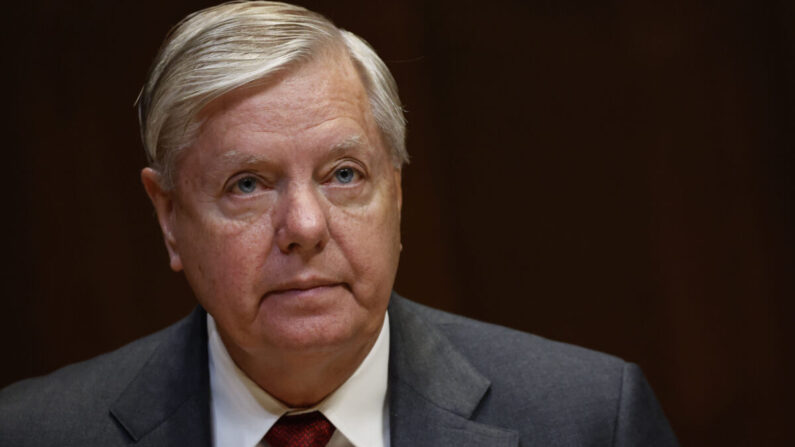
234,156
351,142
239,157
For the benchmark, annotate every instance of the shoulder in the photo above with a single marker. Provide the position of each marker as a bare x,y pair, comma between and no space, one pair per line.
551,392
75,400
494,348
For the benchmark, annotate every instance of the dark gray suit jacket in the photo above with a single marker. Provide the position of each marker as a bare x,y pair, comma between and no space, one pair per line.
452,382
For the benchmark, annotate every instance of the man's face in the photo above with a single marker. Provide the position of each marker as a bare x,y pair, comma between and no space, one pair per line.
286,213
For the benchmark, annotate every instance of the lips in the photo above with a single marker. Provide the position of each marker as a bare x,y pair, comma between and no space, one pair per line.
301,287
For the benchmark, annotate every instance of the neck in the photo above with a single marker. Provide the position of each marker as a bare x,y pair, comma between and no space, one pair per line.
301,379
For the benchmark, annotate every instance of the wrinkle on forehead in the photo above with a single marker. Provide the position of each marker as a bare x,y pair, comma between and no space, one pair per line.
296,89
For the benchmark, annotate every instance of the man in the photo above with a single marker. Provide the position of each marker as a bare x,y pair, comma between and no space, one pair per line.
276,143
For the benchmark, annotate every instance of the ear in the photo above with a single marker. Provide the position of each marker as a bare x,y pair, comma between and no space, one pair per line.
399,189
163,201
399,198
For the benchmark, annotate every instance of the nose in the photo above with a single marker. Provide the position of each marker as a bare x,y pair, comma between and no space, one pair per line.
302,227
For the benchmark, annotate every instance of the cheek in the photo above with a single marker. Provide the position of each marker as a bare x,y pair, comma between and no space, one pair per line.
370,240
222,259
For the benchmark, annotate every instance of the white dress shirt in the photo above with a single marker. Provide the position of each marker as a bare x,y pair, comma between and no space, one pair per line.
242,412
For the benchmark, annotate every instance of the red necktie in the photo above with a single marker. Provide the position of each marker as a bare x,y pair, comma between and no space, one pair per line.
301,430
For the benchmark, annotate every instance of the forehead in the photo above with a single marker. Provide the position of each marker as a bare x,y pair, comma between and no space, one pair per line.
320,90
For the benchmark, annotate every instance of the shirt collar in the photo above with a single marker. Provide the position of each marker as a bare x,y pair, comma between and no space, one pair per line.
243,412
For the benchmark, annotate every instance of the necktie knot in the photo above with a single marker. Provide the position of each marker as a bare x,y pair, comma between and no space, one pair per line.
300,430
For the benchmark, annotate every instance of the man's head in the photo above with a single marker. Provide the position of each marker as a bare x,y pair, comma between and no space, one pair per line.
283,206
219,49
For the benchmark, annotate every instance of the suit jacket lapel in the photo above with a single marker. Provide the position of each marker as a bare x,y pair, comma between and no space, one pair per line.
167,403
434,390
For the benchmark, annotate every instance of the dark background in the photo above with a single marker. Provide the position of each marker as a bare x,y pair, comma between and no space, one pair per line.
614,174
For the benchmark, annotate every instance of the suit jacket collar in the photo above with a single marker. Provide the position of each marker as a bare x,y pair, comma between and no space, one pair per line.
168,401
434,391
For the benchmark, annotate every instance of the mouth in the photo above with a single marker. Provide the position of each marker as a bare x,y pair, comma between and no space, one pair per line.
304,288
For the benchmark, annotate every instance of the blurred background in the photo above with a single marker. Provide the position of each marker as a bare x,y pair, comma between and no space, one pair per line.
614,174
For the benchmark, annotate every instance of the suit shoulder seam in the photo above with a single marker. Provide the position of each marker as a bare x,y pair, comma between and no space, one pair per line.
620,399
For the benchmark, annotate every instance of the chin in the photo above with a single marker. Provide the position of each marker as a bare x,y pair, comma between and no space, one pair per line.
317,333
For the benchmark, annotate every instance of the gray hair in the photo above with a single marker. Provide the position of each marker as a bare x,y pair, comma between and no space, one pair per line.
216,50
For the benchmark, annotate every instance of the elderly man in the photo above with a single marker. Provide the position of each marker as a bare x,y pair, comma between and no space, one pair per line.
276,142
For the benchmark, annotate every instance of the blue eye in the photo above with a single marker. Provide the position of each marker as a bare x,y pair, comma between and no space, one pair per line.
247,185
345,175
